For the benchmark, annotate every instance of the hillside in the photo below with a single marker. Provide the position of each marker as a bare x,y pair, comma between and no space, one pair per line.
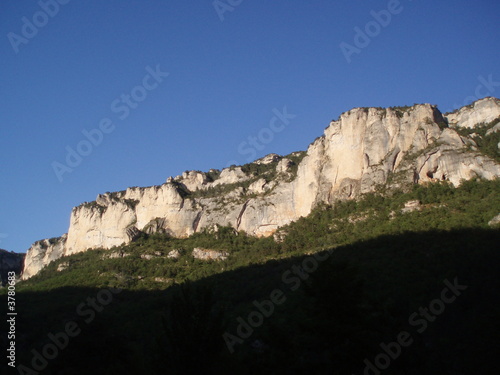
379,260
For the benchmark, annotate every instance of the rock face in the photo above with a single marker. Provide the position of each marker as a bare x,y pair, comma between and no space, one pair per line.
42,253
174,254
495,221
411,206
366,148
10,262
482,111
62,266
207,254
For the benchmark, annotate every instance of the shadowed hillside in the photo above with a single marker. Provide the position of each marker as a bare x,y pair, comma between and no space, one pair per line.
325,297
360,296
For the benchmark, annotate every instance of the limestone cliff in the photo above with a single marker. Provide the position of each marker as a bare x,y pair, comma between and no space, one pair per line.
482,111
42,253
366,148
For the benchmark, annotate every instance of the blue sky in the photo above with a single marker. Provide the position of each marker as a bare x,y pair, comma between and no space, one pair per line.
226,81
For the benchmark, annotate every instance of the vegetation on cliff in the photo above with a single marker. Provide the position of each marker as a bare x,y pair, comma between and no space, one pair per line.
487,141
382,262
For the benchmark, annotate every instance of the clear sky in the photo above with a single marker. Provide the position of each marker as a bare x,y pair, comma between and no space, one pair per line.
100,67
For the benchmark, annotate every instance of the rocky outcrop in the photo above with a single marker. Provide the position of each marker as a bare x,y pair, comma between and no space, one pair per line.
482,111
495,221
10,262
42,253
207,254
494,129
268,159
411,206
364,150
174,254
62,266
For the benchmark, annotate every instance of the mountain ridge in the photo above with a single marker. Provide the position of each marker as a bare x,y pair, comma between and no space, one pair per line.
364,150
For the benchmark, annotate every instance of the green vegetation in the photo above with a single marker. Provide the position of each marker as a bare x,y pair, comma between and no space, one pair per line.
219,190
383,265
114,197
94,206
401,110
257,169
486,144
465,107
213,175
296,158
443,207
253,170
131,203
96,268
269,170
